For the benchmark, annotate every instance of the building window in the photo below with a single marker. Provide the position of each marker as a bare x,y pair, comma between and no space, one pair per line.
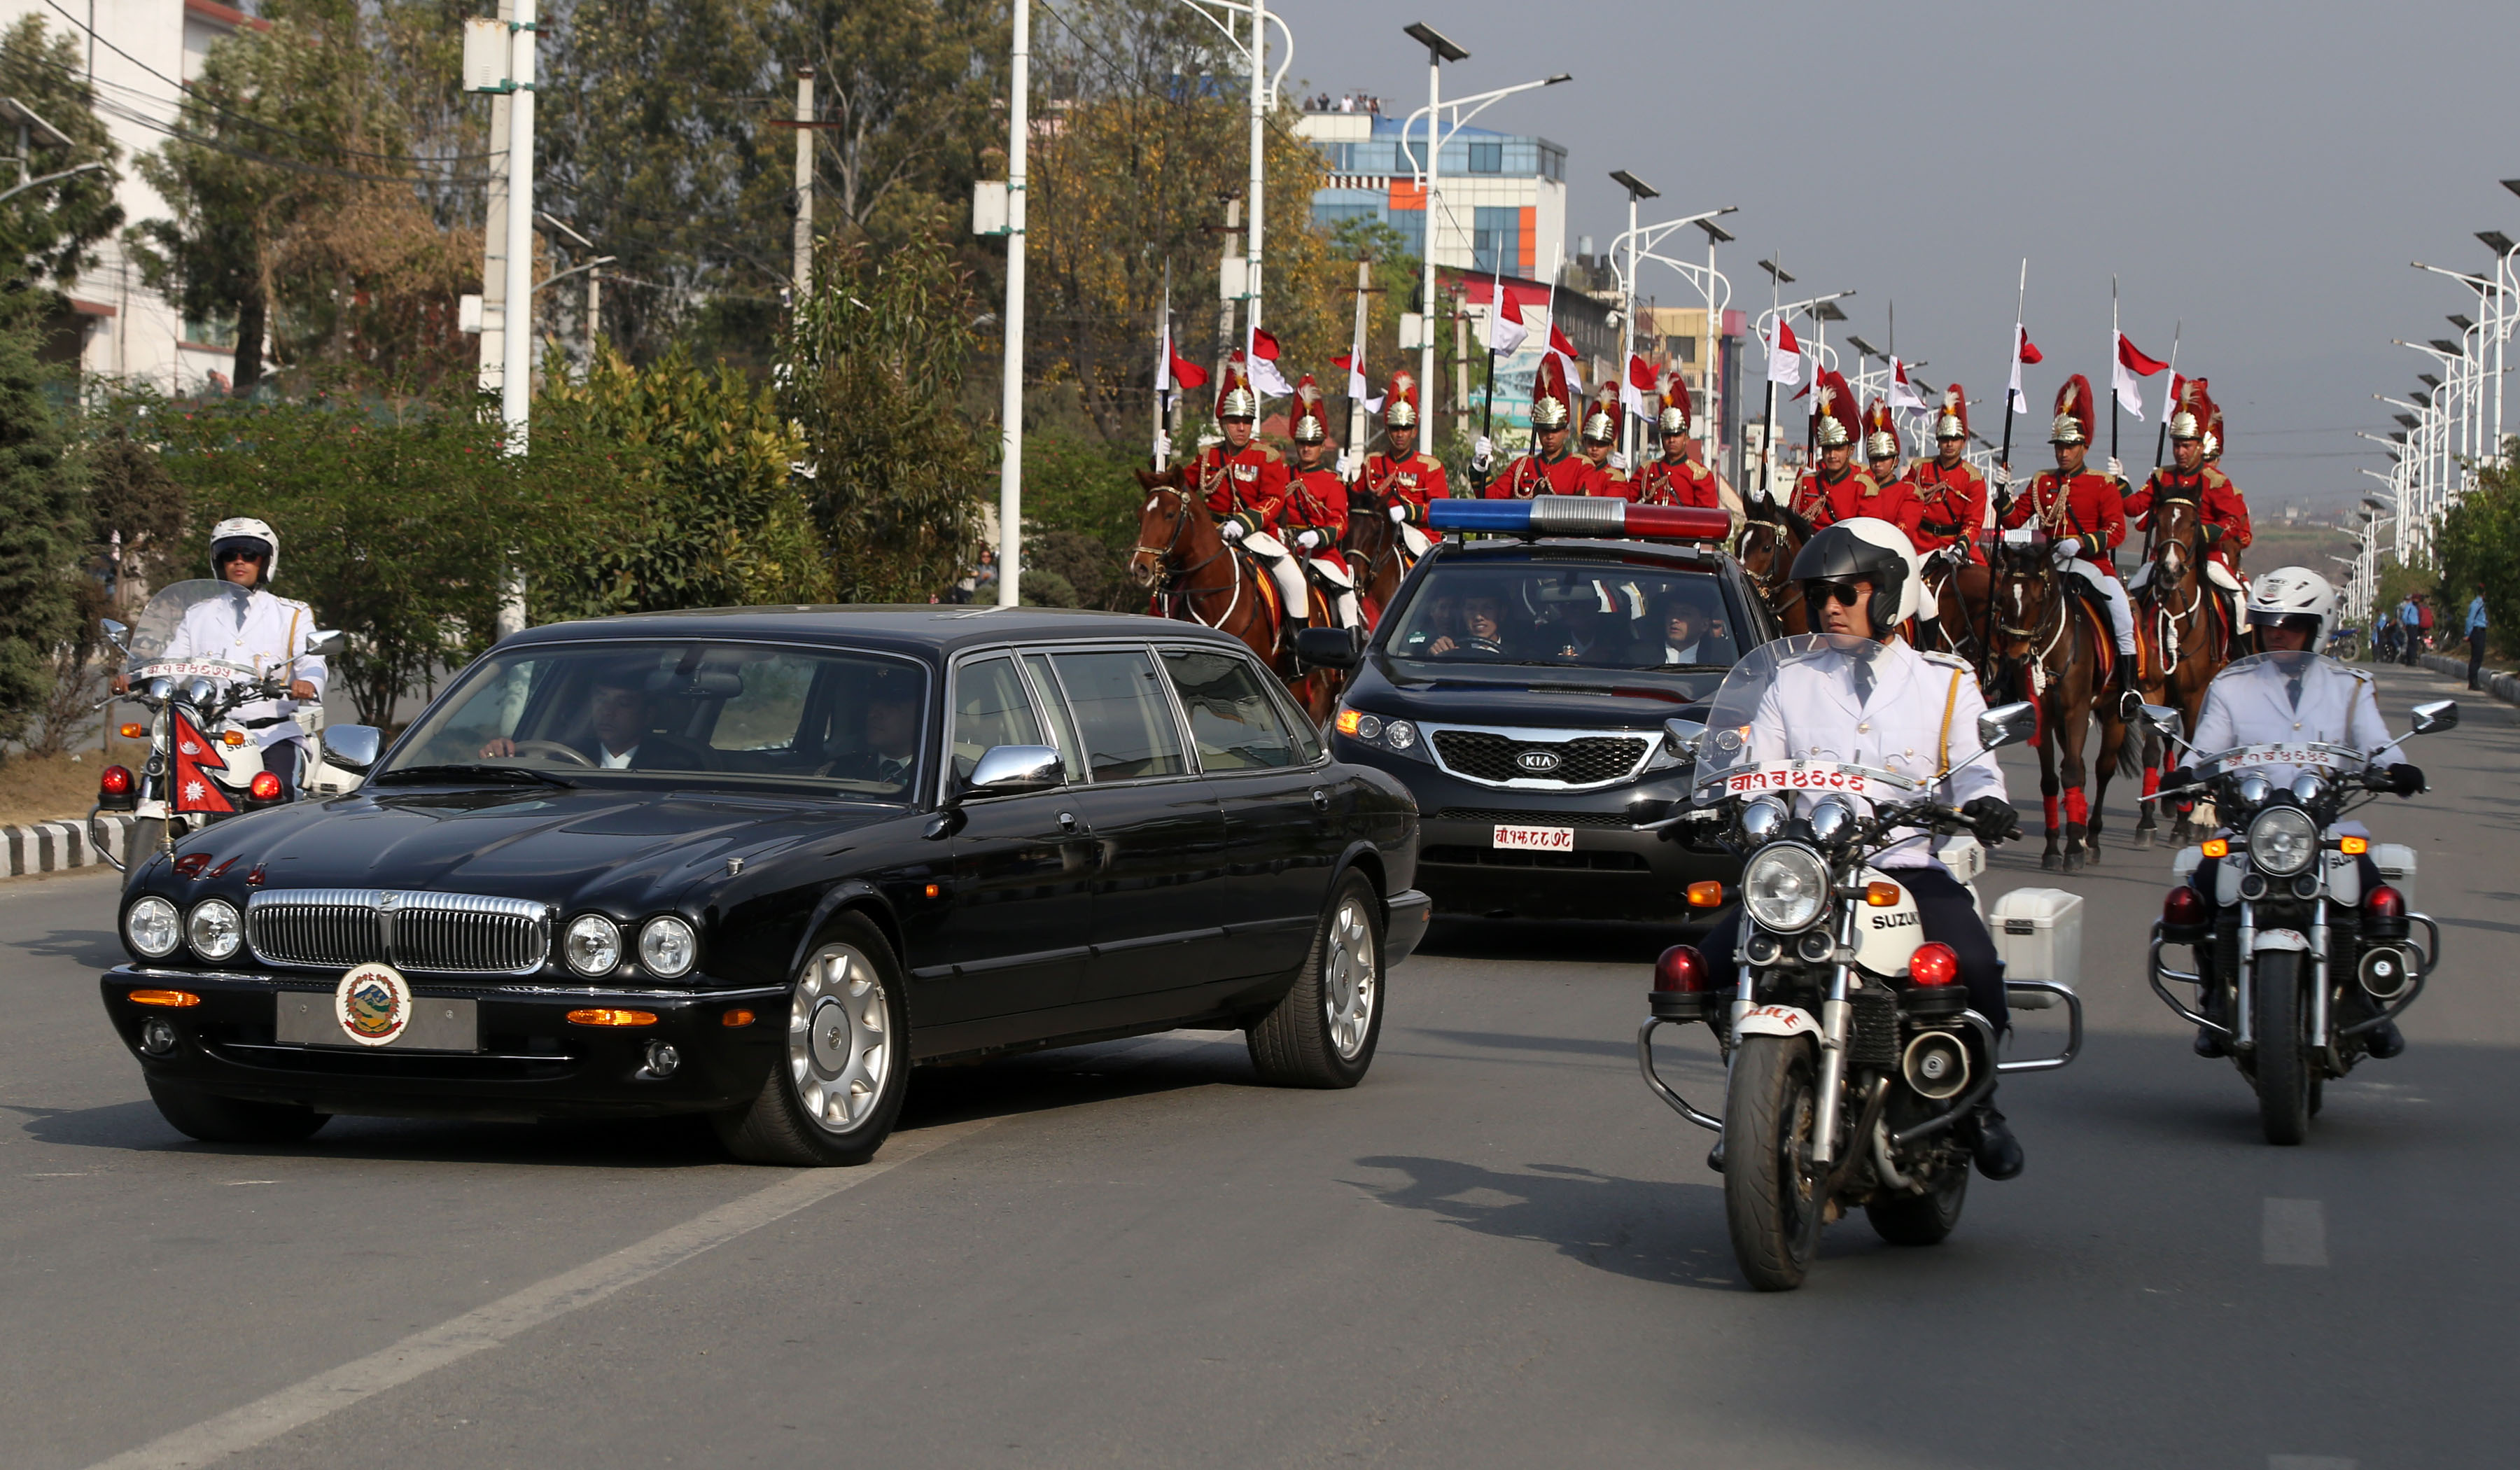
214,333
1553,164
1487,158
1680,349
1496,240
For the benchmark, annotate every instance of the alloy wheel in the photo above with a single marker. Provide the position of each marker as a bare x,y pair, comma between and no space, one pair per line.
839,1042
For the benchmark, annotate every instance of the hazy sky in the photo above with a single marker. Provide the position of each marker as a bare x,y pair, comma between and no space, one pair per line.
2263,172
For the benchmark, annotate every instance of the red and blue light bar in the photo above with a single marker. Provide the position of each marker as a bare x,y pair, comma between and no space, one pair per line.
1578,515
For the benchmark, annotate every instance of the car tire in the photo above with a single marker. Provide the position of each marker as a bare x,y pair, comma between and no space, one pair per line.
214,1119
836,1087
1321,1032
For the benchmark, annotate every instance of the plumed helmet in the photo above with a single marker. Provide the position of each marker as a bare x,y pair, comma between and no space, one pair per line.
2192,412
1880,432
1551,402
1601,420
246,534
1309,423
1234,398
1870,549
1674,418
1833,416
2291,592
1400,401
1951,421
2075,414
2214,440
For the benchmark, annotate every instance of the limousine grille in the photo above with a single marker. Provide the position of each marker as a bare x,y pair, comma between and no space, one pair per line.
1586,761
443,933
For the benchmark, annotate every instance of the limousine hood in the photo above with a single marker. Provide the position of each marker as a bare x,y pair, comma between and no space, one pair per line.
643,849
1536,696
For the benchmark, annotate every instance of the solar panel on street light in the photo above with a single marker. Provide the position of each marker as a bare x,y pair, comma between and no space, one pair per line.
1716,233
1782,276
2458,320
2444,344
1435,41
2495,241
1633,185
1865,347
1827,311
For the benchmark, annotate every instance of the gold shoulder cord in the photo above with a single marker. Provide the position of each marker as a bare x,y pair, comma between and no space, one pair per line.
1950,702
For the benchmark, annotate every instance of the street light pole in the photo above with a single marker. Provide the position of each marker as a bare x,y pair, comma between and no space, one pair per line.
1010,395
516,369
1259,172
1639,191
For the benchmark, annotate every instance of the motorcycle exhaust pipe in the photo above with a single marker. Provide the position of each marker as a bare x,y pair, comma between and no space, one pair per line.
1936,1065
2385,973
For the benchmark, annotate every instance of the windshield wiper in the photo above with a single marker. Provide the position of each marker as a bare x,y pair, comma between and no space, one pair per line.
515,776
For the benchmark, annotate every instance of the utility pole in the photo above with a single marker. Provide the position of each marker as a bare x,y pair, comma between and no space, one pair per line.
494,237
805,184
1225,293
517,338
1010,400
1356,338
1259,140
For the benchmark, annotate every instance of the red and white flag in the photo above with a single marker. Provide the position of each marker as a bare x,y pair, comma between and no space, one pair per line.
1353,362
1265,376
1785,355
1172,370
1506,329
2127,374
1565,347
2023,351
2178,387
1903,393
1641,382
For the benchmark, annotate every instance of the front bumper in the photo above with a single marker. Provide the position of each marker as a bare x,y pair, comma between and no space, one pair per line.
1613,872
533,1062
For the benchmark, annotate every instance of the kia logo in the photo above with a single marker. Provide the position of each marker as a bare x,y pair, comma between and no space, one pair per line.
1537,762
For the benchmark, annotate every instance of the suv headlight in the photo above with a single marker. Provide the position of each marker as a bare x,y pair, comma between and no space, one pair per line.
2283,841
153,927
1380,732
1786,888
215,929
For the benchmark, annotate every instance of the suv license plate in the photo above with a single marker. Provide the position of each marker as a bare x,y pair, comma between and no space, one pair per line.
1537,839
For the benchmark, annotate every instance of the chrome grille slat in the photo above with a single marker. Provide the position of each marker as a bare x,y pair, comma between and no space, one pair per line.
436,933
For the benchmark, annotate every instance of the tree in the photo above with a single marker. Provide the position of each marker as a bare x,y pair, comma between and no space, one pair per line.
2480,542
50,228
878,355
40,485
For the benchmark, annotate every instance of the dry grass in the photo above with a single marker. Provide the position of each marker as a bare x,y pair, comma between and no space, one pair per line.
50,788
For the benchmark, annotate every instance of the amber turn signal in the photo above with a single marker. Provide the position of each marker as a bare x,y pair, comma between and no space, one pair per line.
934,889
1707,894
2354,847
735,1018
134,731
2220,847
605,1016
233,737
1348,720
174,998
1881,894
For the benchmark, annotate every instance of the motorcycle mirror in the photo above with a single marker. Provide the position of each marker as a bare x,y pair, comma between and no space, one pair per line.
116,633
2007,725
2164,721
1683,735
2436,717
326,644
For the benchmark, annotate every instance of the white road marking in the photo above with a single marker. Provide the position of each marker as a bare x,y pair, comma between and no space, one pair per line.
2310,1462
2295,1234
336,1389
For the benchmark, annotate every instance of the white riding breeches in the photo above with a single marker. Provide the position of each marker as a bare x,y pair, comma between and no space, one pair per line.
2112,591
1273,554
1416,539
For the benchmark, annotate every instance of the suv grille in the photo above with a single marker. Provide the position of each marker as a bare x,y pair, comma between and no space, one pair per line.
447,933
1616,819
1590,760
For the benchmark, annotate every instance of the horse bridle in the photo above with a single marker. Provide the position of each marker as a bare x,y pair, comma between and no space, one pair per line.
1774,580
2173,619
1165,586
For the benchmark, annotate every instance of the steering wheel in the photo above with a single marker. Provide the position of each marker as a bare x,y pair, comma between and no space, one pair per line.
556,750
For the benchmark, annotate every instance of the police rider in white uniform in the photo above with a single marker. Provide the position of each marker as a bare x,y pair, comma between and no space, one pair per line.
2294,695
263,632
1893,708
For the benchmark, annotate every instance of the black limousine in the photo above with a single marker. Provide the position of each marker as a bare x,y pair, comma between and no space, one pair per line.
758,863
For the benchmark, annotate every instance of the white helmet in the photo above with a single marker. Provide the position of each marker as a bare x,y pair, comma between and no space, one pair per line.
2291,592
1866,545
251,534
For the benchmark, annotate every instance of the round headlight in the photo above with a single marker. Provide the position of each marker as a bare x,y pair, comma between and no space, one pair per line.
2307,787
2281,841
593,944
1369,727
152,928
2253,790
1786,888
667,947
1830,817
1399,735
1761,818
215,929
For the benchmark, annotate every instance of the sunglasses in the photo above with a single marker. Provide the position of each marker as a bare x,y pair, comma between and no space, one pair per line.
1843,594
236,554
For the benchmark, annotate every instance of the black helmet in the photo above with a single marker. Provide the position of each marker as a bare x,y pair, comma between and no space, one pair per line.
1869,549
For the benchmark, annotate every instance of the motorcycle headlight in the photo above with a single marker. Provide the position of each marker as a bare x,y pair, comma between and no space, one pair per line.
215,929
1786,888
153,927
2283,841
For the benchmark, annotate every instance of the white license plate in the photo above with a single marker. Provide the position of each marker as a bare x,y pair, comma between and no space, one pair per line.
438,1023
1536,839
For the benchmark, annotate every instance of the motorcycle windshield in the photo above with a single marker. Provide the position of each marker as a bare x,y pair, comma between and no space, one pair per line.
2264,681
1732,757
175,630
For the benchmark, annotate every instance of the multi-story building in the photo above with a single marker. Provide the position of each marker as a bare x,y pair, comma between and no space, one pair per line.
1501,196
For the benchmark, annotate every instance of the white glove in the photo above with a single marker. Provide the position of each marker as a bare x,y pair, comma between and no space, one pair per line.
2000,478
1346,469
1618,462
1163,448
1482,453
1308,539
1399,515
1231,530
2065,548
2117,467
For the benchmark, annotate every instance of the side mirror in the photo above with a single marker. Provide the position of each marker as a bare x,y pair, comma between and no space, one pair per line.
1330,648
116,633
2007,724
1681,736
1015,771
2164,721
326,644
2436,717
353,748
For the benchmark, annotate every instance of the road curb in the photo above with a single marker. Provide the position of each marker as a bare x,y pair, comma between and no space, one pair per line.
2502,687
53,846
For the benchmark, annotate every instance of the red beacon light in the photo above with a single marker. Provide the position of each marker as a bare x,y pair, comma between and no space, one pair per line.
1683,984
1934,964
114,780
2385,901
1579,516
265,787
2182,908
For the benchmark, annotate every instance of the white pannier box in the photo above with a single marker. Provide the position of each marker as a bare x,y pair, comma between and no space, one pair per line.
2039,936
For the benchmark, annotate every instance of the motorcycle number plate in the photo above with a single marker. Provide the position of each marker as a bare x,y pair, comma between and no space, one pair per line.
195,668
2279,755
1536,839
1801,777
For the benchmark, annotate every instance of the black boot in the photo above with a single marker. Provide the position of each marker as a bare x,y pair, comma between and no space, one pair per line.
1715,1155
2122,687
2384,1041
1998,1153
2209,1043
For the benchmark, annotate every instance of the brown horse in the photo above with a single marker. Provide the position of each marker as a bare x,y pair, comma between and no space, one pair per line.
1376,553
1770,538
1957,592
2186,643
2048,646
1192,575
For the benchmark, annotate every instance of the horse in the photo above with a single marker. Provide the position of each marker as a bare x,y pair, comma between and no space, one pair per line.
1376,550
1957,592
2049,644
1192,575
2182,630
1770,538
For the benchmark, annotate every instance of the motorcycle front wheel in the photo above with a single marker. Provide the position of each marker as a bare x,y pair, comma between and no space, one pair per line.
1772,1191
2282,1059
1904,1219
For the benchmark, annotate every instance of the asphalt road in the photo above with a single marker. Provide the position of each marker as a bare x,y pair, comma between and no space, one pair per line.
1499,1251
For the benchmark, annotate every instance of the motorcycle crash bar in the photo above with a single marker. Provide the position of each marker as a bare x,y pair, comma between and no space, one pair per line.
1578,515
